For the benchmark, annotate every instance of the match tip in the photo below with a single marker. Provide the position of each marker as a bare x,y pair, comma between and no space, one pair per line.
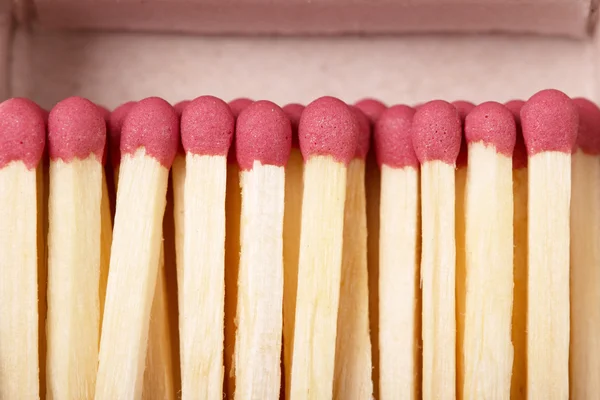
550,121
238,105
436,132
264,134
520,152
492,124
372,108
363,141
588,136
76,129
328,127
115,124
207,126
463,108
179,107
22,132
152,124
393,141
294,112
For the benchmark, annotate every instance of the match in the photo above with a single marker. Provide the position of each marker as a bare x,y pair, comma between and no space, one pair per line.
436,136
550,122
399,237
76,141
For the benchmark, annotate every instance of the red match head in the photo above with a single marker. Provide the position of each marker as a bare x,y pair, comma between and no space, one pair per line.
393,141
364,133
550,121
436,132
179,107
207,126
328,127
22,132
76,129
492,124
294,112
463,108
115,124
371,108
152,124
588,137
238,105
264,134
520,152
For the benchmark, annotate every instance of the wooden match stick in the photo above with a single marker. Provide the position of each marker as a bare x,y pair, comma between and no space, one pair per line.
463,108
22,140
76,140
291,241
399,279
353,365
328,134
585,255
233,209
550,122
263,144
436,134
487,349
372,109
519,314
149,142
207,126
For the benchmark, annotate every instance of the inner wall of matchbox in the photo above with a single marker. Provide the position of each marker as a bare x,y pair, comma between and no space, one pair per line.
48,64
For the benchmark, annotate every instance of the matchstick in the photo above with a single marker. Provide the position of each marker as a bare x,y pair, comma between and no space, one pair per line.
149,141
463,108
487,349
328,134
550,121
233,209
399,279
263,144
76,140
115,126
291,241
207,126
352,375
436,134
585,255
22,140
372,109
519,314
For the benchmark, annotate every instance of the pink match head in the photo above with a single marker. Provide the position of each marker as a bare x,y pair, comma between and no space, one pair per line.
393,141
22,132
550,121
152,124
436,132
520,152
294,112
115,124
264,134
104,111
238,105
106,116
364,133
207,126
179,107
371,108
76,129
463,108
588,137
328,127
492,124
